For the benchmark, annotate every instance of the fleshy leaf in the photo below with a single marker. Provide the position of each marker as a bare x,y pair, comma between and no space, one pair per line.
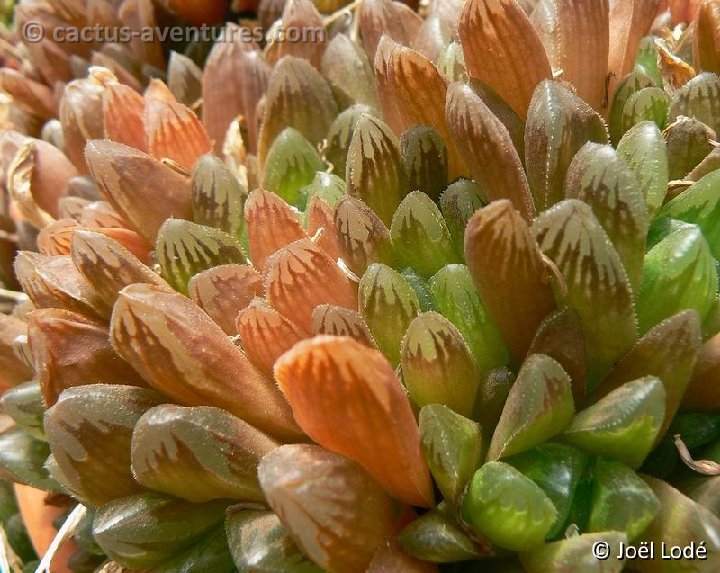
540,406
437,538
668,351
626,88
258,541
300,277
575,555
349,73
643,149
700,204
509,273
24,404
340,135
143,190
680,521
290,165
198,454
437,365
22,460
488,149
348,399
557,469
458,203
453,447
621,500
375,171
412,92
297,96
265,335
507,507
688,142
679,274
338,321
706,44
180,351
363,237
336,513
218,197
559,124
148,529
223,291
388,303
417,221
647,104
425,158
503,50
185,249
89,431
699,98
70,350
595,282
271,224
624,424
600,178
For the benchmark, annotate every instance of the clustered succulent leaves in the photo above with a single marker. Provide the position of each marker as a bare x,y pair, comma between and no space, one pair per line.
435,291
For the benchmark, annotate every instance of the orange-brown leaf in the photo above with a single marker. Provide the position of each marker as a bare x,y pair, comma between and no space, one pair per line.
225,290
271,225
265,335
302,276
123,111
412,92
347,397
503,50
707,37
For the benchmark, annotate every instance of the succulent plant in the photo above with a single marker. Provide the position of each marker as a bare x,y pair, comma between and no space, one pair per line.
436,290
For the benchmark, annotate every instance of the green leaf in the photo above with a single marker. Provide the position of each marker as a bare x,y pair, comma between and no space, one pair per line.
699,98
453,448
507,508
22,460
24,404
700,204
148,529
457,300
626,87
647,104
624,424
198,454
211,553
185,249
388,303
458,203
420,236
218,197
688,142
595,282
621,500
425,160
600,178
260,544
436,538
340,135
557,469
559,123
291,164
679,274
540,406
643,149
375,172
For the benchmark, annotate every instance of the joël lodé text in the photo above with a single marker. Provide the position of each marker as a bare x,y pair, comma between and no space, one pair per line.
644,550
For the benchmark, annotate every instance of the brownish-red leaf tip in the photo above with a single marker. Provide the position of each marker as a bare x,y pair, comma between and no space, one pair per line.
271,225
503,50
347,397
302,276
488,149
509,273
265,335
